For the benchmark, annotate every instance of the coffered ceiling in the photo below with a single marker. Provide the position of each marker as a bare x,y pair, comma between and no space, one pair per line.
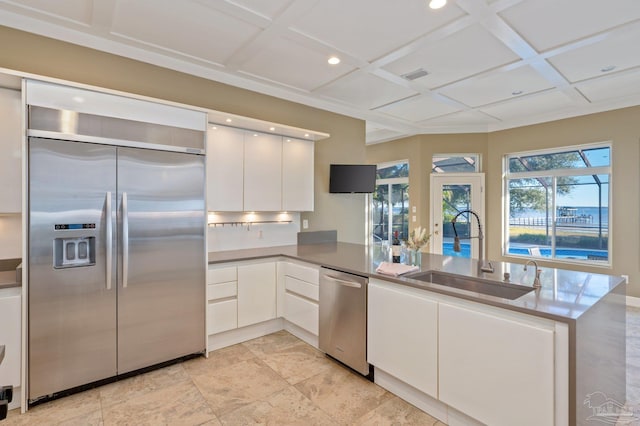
482,65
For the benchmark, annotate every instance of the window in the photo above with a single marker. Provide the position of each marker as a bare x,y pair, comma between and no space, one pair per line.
455,163
390,202
557,204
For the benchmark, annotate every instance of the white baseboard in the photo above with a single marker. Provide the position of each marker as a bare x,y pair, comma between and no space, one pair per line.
301,334
233,337
634,302
424,402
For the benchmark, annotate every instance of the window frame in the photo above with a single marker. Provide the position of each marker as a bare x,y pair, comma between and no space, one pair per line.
553,174
387,181
476,155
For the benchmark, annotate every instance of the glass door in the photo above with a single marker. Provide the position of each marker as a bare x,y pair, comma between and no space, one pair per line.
453,194
389,211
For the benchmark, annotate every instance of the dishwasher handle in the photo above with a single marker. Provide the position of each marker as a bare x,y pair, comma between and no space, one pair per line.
347,283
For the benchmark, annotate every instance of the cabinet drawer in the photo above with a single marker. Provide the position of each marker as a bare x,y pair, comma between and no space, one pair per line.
302,288
301,312
222,290
304,273
222,316
222,275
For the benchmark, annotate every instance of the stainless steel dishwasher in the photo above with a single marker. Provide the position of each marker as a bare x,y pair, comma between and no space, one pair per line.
343,319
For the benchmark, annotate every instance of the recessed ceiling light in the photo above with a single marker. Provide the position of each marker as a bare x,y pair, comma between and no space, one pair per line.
273,129
517,92
214,128
255,134
437,4
306,135
334,60
228,120
608,68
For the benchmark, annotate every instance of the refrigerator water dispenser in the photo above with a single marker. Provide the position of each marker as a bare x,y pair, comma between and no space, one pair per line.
74,252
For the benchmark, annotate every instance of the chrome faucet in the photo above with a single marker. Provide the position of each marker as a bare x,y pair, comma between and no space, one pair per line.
456,242
536,280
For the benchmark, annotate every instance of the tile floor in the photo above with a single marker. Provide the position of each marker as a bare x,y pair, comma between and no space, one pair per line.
276,380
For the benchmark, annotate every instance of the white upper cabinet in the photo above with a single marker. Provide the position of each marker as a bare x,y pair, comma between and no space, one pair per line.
225,169
258,172
10,151
262,172
297,175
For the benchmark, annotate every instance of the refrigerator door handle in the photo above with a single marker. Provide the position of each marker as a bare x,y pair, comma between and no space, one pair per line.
109,239
125,240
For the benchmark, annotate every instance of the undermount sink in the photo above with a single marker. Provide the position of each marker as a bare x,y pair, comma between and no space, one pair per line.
478,285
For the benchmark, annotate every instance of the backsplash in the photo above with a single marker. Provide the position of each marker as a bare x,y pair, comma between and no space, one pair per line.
234,231
10,236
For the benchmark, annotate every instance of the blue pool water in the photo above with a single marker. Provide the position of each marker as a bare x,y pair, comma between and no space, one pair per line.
465,251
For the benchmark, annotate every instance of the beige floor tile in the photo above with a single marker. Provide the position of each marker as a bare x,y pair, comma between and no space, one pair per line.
181,404
396,412
238,385
344,395
271,343
55,412
124,390
297,362
91,419
222,358
287,407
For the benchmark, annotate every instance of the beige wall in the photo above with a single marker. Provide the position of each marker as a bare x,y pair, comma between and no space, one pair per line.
419,150
30,53
620,127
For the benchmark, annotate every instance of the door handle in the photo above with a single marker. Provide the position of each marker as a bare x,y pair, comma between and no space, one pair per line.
125,240
109,239
344,282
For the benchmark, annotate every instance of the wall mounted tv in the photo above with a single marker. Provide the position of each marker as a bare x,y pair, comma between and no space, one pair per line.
348,178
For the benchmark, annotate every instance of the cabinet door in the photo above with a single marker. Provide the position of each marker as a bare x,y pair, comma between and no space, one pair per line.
256,293
301,312
403,335
225,168
297,175
495,368
10,332
10,151
262,172
222,316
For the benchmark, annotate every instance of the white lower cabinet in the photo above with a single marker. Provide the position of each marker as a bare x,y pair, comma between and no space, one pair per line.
299,292
240,295
10,332
222,303
301,312
256,293
403,334
222,316
495,367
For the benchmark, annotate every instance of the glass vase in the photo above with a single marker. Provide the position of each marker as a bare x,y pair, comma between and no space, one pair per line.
414,258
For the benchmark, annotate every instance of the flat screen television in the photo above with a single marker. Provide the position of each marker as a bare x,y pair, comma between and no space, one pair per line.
350,178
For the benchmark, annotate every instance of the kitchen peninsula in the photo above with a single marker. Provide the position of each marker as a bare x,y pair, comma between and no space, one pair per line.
536,358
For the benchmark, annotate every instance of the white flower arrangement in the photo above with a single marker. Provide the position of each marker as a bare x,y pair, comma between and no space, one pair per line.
418,238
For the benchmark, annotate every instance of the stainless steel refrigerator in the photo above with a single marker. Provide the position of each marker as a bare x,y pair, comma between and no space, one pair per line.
117,256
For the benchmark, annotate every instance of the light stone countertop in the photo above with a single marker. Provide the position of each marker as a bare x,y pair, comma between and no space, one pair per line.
565,295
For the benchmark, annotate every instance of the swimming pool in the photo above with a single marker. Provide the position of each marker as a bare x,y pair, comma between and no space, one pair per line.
580,254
